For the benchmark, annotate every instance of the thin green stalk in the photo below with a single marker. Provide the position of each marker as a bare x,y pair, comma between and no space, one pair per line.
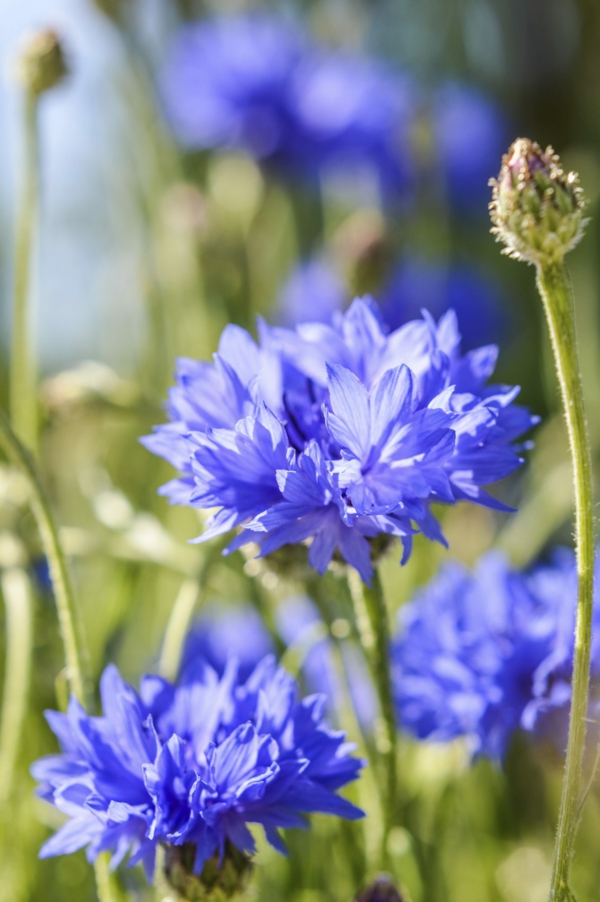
23,379
70,628
16,591
374,632
554,288
177,628
63,591
107,885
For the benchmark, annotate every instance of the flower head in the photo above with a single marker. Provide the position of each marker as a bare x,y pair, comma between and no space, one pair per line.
536,208
485,653
192,765
343,433
416,283
470,132
313,292
224,631
227,84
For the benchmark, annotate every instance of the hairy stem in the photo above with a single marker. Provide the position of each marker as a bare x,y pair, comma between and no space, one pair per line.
553,285
23,403
374,632
70,628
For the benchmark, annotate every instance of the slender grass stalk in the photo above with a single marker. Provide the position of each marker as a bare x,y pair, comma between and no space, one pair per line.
16,591
23,378
373,627
177,628
70,628
554,288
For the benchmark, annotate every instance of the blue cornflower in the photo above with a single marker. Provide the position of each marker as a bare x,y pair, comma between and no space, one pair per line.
469,132
345,432
485,653
228,81
353,112
416,283
253,82
224,631
313,292
193,764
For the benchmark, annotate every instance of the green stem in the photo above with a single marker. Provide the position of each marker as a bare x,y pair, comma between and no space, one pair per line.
23,404
63,591
108,885
374,632
553,285
177,628
16,591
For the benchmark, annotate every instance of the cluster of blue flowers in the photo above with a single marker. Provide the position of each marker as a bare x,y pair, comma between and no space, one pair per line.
338,433
482,654
193,764
258,83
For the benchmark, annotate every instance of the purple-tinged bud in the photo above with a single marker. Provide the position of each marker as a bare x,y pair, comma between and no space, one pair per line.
41,63
220,881
536,208
382,890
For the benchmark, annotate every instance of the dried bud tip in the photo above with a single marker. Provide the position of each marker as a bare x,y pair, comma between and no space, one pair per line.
41,64
536,208
382,890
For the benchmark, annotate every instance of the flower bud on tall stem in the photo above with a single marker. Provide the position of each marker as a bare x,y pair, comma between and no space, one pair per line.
537,211
39,67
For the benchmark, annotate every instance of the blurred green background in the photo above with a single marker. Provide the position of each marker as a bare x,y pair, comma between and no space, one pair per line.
144,254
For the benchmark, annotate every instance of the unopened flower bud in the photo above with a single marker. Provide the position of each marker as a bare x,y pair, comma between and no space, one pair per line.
382,890
220,881
536,208
41,64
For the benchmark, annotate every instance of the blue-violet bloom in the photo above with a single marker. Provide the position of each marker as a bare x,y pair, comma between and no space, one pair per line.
194,764
484,653
337,433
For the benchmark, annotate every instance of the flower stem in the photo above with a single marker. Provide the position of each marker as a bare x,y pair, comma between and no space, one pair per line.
23,405
16,591
70,628
374,632
554,288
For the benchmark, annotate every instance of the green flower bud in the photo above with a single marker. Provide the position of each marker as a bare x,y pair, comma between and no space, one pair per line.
219,881
536,209
382,890
41,64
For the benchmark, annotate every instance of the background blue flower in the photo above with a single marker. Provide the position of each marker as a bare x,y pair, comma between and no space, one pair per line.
484,653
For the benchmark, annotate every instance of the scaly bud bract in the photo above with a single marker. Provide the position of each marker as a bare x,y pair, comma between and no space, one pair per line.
536,208
41,63
220,881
